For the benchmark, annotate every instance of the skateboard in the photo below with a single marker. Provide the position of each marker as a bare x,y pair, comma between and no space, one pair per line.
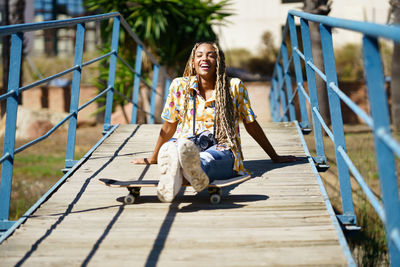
214,188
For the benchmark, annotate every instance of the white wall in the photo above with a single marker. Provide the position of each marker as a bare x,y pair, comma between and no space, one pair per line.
253,17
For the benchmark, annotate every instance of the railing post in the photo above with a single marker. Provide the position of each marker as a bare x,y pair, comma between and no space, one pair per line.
288,82
75,89
166,88
304,124
9,136
153,93
320,159
136,82
384,155
271,102
111,73
348,217
275,96
282,93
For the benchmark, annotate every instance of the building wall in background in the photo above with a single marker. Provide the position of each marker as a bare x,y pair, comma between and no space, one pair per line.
253,17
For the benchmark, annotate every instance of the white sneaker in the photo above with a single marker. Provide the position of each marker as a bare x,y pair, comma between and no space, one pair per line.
171,177
189,157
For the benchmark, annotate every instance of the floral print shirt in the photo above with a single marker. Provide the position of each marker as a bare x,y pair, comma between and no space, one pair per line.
205,110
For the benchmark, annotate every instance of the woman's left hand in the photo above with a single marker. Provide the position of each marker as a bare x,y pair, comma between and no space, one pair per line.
146,161
285,159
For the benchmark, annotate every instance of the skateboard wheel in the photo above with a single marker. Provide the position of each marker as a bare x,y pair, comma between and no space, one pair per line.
129,199
215,198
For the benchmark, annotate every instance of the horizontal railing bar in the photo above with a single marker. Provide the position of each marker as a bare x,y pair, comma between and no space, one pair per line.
288,65
293,96
388,140
364,186
134,72
4,157
321,120
282,84
41,138
140,76
8,94
124,97
371,32
39,82
370,29
94,98
301,55
303,91
29,86
320,73
364,116
137,40
274,75
127,64
155,90
290,101
10,29
328,205
97,59
278,57
130,101
35,206
149,86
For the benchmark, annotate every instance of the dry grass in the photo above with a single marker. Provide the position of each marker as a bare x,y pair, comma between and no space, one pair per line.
369,244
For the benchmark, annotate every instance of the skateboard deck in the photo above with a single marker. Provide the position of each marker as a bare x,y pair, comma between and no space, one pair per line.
214,188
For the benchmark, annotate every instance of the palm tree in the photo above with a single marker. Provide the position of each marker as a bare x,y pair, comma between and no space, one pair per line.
394,17
168,28
319,7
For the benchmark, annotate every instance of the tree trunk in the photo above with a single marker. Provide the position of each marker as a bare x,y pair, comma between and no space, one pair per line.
395,82
6,57
51,35
17,16
319,7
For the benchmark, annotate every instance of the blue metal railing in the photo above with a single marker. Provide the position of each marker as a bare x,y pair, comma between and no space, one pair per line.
282,99
16,32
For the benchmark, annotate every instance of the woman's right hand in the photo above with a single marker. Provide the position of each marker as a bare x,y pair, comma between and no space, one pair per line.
146,161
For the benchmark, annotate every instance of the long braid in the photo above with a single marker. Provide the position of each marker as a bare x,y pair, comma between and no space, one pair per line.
225,114
224,106
187,73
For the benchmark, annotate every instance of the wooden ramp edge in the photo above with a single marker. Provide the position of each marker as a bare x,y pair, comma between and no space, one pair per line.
278,217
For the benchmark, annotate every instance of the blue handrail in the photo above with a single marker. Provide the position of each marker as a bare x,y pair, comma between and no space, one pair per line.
16,32
386,147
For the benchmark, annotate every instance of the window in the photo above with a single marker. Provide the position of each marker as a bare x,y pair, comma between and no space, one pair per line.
291,1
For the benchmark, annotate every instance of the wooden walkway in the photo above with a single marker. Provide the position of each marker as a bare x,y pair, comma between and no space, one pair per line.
278,217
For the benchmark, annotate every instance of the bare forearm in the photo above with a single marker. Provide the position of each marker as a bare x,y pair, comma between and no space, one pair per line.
166,133
255,130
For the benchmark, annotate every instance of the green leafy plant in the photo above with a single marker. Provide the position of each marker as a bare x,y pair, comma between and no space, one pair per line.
261,62
168,28
237,57
349,63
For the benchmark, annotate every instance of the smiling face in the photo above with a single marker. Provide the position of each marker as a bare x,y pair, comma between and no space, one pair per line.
205,61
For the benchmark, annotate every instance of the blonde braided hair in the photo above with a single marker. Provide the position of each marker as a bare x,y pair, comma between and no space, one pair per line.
225,114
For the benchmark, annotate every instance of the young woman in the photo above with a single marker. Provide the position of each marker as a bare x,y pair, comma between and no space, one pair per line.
202,112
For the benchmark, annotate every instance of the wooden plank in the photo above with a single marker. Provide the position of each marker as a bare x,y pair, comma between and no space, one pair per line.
279,212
